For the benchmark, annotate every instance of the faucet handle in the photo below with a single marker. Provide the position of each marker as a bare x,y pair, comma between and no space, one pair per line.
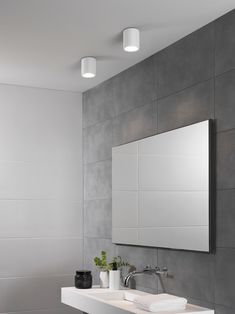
162,272
147,267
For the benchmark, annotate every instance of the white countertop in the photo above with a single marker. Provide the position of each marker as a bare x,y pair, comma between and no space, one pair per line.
106,301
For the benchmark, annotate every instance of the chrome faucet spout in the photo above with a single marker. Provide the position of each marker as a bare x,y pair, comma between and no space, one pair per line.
147,270
131,275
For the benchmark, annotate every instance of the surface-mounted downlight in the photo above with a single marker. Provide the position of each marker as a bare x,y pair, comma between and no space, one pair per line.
88,67
131,39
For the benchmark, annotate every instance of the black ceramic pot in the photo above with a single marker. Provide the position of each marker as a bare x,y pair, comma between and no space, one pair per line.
83,279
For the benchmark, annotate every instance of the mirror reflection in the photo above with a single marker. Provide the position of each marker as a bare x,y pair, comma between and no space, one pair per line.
160,190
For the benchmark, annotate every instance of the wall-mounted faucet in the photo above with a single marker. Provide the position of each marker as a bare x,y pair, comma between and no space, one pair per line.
148,270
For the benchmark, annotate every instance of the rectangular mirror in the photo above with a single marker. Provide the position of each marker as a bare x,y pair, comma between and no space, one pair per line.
161,190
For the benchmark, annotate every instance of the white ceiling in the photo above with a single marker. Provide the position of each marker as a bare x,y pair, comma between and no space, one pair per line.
42,41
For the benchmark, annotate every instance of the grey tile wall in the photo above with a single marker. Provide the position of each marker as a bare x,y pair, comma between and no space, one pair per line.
224,43
97,180
134,87
98,141
223,309
192,274
41,197
189,106
224,288
28,294
60,310
97,215
134,124
189,81
225,209
224,101
186,62
226,159
98,102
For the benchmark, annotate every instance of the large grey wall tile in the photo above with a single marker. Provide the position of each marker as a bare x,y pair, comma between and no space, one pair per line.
98,142
40,218
189,106
133,125
64,309
35,138
97,180
225,209
186,62
140,257
137,256
134,87
192,273
225,101
219,309
226,160
225,277
98,103
225,43
92,248
40,180
26,294
98,218
39,124
39,257
201,303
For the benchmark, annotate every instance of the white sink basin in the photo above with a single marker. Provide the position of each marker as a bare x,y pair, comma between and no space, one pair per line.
114,295
105,301
106,296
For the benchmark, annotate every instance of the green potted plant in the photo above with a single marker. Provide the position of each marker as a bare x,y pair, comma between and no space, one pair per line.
103,266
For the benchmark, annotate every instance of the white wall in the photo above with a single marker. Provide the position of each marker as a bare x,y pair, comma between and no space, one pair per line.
41,217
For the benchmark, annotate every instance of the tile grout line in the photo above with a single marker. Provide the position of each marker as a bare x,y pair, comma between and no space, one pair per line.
214,76
37,277
97,161
225,189
42,88
224,131
185,88
41,238
223,73
120,114
223,305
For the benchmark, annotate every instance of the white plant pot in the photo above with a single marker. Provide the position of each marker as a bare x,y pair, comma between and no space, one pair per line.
114,279
104,279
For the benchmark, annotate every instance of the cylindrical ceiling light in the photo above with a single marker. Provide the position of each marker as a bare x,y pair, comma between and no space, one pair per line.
131,39
88,67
